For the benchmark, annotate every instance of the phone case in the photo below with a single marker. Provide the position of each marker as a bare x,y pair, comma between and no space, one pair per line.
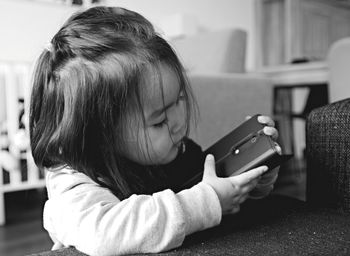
245,148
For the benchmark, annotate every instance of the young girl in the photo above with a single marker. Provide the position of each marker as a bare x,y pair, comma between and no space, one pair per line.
110,113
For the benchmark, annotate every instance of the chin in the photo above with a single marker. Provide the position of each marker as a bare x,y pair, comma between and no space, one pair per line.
171,156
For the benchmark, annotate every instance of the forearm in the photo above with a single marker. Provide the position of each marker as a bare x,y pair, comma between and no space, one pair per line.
139,224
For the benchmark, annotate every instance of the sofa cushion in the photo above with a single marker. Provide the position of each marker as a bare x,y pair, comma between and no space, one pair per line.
225,100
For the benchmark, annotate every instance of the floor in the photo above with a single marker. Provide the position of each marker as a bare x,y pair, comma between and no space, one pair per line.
23,233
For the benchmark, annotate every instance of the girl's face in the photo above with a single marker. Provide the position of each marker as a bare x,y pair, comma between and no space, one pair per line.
159,140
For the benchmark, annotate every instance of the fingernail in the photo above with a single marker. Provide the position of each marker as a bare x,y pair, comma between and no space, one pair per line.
210,157
268,129
261,119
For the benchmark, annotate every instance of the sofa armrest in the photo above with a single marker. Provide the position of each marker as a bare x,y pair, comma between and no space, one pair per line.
328,155
225,99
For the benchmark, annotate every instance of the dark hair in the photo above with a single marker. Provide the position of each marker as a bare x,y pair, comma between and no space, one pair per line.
86,85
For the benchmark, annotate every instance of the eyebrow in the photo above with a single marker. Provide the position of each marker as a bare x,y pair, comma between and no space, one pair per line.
158,112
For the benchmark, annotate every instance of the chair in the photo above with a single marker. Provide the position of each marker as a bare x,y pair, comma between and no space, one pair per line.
339,71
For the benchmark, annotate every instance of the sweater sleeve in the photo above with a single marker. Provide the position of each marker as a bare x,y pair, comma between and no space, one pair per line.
82,214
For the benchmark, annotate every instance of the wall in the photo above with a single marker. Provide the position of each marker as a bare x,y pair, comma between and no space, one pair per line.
26,26
209,14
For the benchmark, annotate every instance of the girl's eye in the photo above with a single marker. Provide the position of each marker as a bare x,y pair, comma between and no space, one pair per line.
160,124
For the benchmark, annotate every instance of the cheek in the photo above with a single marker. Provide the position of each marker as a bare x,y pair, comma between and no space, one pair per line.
135,145
160,141
153,146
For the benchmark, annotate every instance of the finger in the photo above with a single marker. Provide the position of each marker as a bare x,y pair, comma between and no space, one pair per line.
278,148
267,183
261,192
235,209
249,176
269,178
243,198
249,186
271,131
266,120
209,166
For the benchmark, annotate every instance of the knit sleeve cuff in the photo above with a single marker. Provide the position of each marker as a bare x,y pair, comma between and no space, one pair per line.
201,207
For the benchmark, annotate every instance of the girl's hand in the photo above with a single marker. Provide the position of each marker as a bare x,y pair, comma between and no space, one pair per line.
269,129
232,191
265,184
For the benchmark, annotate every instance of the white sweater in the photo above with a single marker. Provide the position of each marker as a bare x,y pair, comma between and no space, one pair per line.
81,213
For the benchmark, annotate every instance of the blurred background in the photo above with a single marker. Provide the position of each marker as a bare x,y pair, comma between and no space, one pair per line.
285,41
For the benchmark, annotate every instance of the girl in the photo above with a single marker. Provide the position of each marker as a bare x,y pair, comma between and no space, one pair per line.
110,113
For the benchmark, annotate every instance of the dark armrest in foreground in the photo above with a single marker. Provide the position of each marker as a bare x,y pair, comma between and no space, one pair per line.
328,155
272,226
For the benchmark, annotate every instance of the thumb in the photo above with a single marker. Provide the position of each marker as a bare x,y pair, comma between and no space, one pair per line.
209,166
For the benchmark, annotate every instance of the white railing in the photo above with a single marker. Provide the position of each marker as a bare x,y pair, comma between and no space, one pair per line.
17,168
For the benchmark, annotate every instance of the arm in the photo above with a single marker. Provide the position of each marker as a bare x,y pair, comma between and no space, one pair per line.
82,214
